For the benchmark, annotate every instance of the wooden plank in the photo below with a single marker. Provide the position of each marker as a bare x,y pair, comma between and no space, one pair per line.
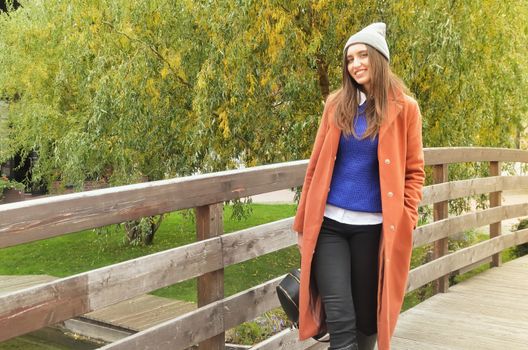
472,266
257,241
219,316
440,212
449,155
457,330
115,283
318,346
53,216
465,188
179,333
250,303
288,339
33,308
428,272
209,223
495,228
473,303
9,284
484,304
142,312
398,343
434,231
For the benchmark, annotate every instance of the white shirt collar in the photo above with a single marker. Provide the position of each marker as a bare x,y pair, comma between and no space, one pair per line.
362,98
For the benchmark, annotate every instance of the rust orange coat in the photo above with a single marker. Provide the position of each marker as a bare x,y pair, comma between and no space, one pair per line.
401,171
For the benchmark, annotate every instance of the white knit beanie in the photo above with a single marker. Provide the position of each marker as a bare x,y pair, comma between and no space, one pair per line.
373,35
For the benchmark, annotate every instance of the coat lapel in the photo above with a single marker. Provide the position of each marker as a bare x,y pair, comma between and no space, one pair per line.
395,107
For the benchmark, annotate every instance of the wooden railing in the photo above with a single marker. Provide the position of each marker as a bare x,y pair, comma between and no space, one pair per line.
46,304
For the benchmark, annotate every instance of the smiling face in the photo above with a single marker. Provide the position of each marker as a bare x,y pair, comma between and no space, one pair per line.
358,65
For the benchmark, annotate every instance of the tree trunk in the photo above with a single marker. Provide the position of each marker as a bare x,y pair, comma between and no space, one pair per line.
137,232
322,72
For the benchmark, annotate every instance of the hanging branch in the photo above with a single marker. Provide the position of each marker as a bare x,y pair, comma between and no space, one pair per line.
151,48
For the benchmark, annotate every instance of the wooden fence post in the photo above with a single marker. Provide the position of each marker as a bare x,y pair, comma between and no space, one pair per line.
440,211
209,223
495,201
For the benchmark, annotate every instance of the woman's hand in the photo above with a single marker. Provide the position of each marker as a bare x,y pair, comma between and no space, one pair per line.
299,241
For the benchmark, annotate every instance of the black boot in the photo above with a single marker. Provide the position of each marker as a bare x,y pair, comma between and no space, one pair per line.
366,342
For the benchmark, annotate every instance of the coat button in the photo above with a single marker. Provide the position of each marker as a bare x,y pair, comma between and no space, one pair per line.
390,194
387,161
392,227
387,260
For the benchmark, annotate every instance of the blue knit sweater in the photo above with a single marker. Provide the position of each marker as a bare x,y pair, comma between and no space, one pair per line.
355,180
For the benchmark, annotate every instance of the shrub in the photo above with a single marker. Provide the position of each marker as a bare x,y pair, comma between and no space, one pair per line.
521,249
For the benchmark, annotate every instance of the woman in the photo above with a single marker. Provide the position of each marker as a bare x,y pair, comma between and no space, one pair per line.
359,203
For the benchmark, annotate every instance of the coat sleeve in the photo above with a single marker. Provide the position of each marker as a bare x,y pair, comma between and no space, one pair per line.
298,223
414,164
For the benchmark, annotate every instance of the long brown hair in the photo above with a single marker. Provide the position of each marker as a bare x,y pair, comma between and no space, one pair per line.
382,80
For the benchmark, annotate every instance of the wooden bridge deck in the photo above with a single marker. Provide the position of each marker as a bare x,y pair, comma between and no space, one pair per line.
487,311
131,315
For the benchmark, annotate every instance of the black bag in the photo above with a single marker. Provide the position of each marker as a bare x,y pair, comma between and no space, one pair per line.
288,293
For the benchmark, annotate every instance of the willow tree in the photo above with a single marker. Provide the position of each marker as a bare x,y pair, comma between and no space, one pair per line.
101,90
132,89
272,63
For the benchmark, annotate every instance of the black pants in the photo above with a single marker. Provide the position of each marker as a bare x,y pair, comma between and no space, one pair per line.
345,268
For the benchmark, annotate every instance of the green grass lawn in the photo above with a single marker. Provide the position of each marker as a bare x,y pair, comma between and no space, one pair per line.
88,250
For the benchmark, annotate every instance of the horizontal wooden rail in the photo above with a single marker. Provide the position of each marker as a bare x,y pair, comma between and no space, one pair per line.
465,188
42,218
443,228
39,306
92,290
205,322
430,271
449,155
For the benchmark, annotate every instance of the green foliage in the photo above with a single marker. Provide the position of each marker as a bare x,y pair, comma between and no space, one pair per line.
6,184
261,328
128,90
521,249
100,89
142,231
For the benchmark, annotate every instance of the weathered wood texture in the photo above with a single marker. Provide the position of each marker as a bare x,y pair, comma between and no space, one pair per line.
209,224
428,272
449,155
204,322
53,216
495,201
287,339
485,312
65,298
9,284
440,212
141,312
434,231
134,314
465,188
55,301
118,282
